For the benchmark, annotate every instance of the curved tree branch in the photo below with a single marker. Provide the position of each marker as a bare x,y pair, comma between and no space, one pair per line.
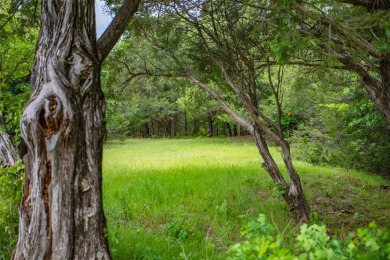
116,28
223,104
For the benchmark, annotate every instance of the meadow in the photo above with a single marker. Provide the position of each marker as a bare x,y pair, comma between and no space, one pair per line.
188,198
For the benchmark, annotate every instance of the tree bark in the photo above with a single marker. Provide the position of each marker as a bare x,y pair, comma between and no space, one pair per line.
8,154
7,151
295,193
269,163
63,125
379,90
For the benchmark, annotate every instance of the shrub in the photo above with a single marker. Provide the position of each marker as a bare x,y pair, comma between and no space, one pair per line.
313,242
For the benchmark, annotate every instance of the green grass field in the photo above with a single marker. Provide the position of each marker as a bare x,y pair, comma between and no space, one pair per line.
188,198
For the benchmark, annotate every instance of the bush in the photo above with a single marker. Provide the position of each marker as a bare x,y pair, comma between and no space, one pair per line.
11,181
313,242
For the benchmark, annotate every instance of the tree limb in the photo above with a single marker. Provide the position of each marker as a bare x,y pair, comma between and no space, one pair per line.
223,104
116,28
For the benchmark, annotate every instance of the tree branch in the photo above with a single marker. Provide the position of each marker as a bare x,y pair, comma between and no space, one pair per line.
349,38
116,28
223,104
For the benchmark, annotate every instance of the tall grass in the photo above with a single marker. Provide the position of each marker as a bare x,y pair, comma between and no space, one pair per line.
175,199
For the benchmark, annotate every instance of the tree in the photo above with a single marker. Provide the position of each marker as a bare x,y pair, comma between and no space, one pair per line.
338,122
225,32
212,44
63,126
351,34
141,105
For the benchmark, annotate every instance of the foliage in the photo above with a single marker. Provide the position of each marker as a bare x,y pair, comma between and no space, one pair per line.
12,101
312,242
140,103
260,242
18,35
340,125
11,181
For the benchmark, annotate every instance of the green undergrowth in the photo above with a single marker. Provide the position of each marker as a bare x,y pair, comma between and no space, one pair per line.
189,198
312,242
11,180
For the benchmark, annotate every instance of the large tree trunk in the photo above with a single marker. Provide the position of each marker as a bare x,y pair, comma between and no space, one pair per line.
61,216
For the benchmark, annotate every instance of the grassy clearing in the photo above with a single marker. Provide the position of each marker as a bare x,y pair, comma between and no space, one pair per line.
174,199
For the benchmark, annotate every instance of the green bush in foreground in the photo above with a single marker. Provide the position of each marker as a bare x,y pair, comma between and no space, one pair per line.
11,181
312,242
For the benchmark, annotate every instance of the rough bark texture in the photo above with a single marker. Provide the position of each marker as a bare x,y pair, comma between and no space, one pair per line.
293,192
379,90
7,151
8,155
61,215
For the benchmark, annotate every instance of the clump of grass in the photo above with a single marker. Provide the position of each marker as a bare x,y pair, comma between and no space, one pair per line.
188,198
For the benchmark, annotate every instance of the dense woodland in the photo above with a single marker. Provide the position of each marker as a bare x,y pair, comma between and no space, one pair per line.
309,77
291,65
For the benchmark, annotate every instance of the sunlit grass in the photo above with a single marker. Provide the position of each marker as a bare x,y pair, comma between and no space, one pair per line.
167,199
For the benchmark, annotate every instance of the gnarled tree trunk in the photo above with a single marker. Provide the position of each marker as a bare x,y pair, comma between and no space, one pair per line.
61,215
63,125
293,192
